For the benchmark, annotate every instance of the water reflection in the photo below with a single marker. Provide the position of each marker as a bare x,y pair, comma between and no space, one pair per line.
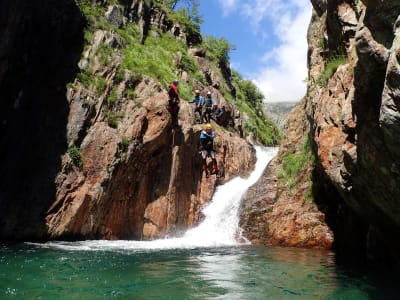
279,273
224,271
245,272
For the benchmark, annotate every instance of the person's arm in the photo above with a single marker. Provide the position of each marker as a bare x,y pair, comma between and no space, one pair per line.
206,135
201,101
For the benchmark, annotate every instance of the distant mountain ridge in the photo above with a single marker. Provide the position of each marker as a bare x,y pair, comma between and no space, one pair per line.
277,111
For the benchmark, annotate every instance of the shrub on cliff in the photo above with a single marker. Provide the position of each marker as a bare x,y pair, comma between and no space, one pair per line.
330,68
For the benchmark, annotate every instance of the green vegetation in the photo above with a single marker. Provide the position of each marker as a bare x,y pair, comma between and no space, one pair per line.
163,57
85,77
218,49
76,157
330,68
86,103
295,163
112,98
71,85
187,63
101,85
158,59
250,91
188,17
94,18
112,119
130,94
125,141
249,100
321,43
104,51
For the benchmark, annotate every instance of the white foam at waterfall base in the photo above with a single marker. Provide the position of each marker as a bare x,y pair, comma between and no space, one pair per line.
219,227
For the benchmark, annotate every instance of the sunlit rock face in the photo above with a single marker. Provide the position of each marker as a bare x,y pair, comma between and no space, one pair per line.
351,114
273,213
76,165
147,189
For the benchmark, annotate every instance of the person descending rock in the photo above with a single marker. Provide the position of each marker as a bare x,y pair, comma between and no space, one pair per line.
240,128
207,148
173,101
220,115
208,107
198,101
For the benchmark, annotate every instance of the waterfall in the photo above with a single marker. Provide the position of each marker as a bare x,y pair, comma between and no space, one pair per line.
219,227
221,222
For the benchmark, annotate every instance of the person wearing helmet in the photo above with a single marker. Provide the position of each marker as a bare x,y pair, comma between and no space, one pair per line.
207,148
208,107
173,101
198,101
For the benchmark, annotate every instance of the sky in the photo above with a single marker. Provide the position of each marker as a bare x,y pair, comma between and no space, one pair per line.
270,37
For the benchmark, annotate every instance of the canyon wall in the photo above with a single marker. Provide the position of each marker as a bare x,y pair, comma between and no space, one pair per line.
351,119
89,151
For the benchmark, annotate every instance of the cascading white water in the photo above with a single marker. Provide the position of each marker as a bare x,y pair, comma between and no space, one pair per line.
219,228
221,221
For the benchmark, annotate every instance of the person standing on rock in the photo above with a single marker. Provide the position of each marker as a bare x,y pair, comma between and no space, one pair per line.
208,107
198,101
173,101
207,149
240,127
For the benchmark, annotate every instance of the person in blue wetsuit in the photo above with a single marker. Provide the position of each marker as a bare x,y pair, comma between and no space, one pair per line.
207,148
198,100
208,107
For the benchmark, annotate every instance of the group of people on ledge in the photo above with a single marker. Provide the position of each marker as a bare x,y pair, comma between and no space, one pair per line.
205,110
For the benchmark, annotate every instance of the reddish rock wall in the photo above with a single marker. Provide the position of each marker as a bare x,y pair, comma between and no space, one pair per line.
91,151
352,120
152,187
273,213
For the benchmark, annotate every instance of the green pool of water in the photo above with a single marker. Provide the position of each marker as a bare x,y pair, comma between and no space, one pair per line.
240,272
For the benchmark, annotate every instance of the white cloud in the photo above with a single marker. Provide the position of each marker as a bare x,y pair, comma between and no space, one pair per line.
285,66
228,5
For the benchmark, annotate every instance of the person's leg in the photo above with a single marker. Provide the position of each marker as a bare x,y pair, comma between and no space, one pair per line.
204,159
175,111
214,160
203,116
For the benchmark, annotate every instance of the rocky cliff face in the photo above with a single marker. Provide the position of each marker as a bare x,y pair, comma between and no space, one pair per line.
352,118
144,188
98,160
281,212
